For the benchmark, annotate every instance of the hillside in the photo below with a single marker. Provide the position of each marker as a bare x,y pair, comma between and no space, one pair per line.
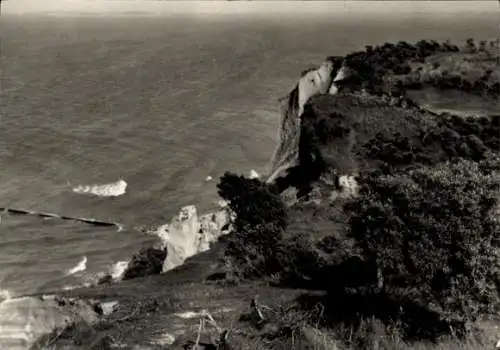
408,259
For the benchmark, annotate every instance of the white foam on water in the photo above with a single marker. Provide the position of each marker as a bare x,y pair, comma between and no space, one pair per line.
5,295
69,287
81,266
113,189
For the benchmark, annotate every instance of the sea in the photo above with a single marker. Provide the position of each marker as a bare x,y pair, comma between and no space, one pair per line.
120,113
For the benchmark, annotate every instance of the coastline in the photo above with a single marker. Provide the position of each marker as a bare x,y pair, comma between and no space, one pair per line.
194,244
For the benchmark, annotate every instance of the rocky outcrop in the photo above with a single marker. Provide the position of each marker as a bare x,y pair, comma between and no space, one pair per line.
24,320
186,235
253,174
189,234
348,188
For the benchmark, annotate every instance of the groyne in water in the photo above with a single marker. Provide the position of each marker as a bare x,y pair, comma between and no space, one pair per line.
90,221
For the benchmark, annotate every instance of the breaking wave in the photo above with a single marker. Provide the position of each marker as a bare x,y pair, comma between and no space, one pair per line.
5,295
113,189
81,266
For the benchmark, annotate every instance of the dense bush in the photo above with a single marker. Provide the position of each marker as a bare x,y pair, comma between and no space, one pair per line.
253,202
260,219
369,66
250,252
454,137
149,261
332,129
432,237
300,263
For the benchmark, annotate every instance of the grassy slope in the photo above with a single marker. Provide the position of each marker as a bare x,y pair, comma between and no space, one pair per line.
148,306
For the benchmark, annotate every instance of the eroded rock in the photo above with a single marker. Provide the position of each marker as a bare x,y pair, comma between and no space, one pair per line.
348,188
24,320
253,174
189,234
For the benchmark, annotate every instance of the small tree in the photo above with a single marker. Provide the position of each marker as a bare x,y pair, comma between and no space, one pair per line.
470,45
250,252
482,46
261,217
252,201
432,237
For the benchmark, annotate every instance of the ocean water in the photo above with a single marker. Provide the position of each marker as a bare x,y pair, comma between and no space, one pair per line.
157,103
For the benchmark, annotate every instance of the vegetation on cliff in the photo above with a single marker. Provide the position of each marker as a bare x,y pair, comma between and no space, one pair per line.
397,67
419,246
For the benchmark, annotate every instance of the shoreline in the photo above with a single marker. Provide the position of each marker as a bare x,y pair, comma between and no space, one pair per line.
193,248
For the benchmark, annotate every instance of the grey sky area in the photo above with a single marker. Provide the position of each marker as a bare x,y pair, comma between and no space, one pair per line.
110,7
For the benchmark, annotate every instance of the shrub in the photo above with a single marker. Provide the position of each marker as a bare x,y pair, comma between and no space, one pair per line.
253,202
250,252
431,235
453,137
149,261
300,262
470,45
260,219
369,66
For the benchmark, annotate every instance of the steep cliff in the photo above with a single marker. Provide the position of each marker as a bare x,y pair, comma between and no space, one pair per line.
366,119
311,83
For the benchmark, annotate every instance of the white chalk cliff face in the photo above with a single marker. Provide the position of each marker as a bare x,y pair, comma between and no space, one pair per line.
313,82
189,234
341,75
23,320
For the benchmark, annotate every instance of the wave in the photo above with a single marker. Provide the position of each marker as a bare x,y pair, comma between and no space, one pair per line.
75,286
114,273
113,189
5,295
81,266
